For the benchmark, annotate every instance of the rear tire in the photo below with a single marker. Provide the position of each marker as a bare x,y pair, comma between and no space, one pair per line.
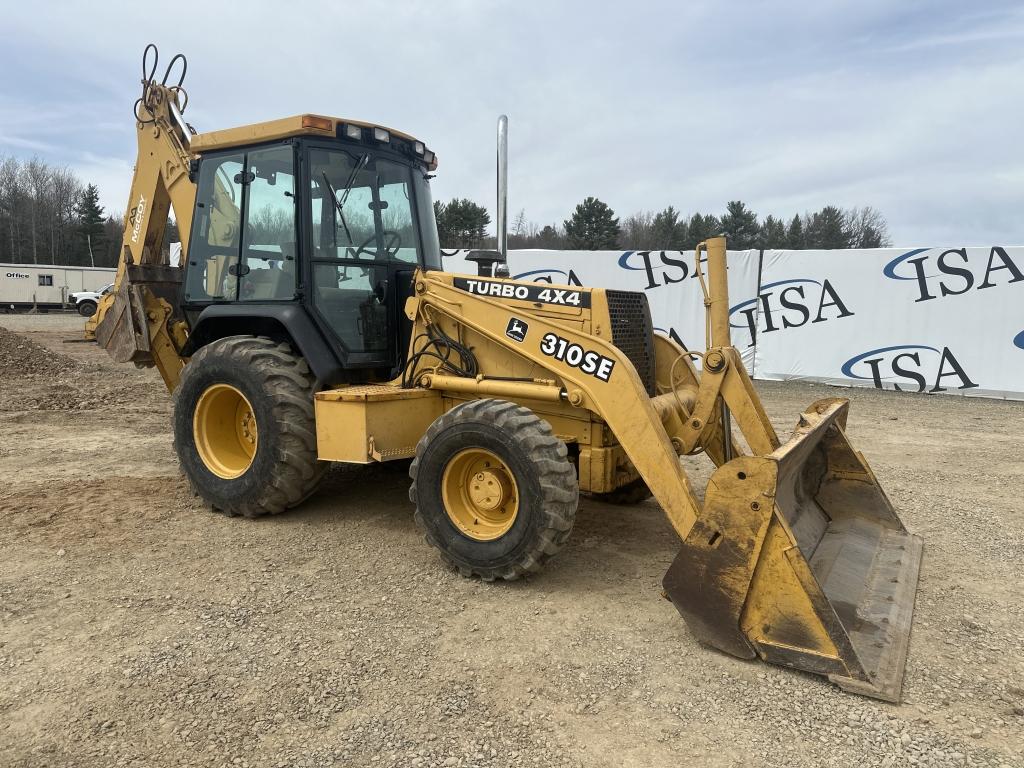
528,517
87,308
247,388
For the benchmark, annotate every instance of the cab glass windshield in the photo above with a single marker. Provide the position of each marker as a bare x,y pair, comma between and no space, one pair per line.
367,208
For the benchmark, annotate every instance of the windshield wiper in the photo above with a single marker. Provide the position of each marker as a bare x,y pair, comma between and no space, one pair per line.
339,204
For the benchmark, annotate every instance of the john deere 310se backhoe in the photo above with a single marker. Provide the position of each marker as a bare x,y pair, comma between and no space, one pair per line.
310,321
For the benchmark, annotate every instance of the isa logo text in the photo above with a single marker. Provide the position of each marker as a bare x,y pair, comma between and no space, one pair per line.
918,367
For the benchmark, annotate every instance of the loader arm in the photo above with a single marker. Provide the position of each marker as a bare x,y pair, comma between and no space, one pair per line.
139,321
638,427
652,442
795,555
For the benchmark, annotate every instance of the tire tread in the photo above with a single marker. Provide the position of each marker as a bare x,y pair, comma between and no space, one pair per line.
297,472
558,482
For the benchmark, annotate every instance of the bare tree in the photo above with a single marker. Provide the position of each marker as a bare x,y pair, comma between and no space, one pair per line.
37,179
520,224
65,191
867,228
39,216
10,203
637,232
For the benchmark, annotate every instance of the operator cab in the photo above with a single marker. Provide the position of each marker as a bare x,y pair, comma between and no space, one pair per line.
327,215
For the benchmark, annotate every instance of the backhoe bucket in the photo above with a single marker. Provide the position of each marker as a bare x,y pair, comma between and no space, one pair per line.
799,558
123,329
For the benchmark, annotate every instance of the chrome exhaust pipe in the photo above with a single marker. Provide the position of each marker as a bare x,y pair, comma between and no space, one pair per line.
502,223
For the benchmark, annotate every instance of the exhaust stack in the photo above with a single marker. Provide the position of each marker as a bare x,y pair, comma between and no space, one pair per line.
502,222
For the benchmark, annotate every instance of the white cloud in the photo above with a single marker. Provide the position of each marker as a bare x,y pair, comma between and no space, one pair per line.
908,107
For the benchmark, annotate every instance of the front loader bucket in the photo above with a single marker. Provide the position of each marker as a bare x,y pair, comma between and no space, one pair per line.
799,558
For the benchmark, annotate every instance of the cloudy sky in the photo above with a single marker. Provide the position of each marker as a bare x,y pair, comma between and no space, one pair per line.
912,107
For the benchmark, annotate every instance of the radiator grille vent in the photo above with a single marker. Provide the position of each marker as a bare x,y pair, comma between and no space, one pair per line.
633,332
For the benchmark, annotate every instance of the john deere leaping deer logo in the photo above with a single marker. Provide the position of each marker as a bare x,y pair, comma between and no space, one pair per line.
135,218
516,329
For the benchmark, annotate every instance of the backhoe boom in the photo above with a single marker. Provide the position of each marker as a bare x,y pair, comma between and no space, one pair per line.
139,321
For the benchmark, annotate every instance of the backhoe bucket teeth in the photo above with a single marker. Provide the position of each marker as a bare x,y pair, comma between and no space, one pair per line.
798,557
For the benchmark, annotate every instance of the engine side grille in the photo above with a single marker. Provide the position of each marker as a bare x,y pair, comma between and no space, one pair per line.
633,332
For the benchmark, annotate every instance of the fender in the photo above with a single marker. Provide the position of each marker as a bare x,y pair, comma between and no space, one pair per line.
288,322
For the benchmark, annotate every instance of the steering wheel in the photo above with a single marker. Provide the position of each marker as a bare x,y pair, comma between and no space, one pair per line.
392,242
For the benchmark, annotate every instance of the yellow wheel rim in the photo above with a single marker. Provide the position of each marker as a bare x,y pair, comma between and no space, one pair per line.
224,427
480,494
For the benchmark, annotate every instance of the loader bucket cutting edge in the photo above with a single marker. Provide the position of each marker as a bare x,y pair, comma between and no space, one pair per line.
798,557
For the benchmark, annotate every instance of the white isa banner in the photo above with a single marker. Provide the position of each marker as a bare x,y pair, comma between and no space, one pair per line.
930,320
668,278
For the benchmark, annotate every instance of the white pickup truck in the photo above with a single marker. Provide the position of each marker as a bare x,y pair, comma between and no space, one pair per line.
87,301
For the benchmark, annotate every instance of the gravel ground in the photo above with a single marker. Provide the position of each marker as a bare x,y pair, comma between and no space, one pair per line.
138,628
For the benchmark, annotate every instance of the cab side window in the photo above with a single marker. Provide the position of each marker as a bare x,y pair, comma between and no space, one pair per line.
267,270
244,234
213,249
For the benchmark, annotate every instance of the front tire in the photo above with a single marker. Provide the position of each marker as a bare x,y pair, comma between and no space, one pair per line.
87,308
494,490
244,426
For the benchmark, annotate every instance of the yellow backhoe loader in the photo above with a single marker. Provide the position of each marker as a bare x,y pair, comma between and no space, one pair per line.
310,321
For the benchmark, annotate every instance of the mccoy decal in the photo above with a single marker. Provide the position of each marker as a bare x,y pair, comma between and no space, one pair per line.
135,218
517,329
925,366
591,363
951,273
503,290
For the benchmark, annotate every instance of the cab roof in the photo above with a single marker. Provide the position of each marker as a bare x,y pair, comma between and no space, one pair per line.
298,125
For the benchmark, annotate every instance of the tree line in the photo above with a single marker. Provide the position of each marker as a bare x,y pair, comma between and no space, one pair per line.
593,225
49,216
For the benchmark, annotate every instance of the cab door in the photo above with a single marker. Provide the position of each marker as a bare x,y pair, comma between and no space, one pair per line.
363,240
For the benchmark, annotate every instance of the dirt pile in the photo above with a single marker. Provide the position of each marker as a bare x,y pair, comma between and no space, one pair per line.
22,357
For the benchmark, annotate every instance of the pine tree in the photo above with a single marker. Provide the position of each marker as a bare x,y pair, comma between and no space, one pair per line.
795,233
828,229
90,223
592,226
550,237
740,225
461,223
668,231
700,228
773,233
444,233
